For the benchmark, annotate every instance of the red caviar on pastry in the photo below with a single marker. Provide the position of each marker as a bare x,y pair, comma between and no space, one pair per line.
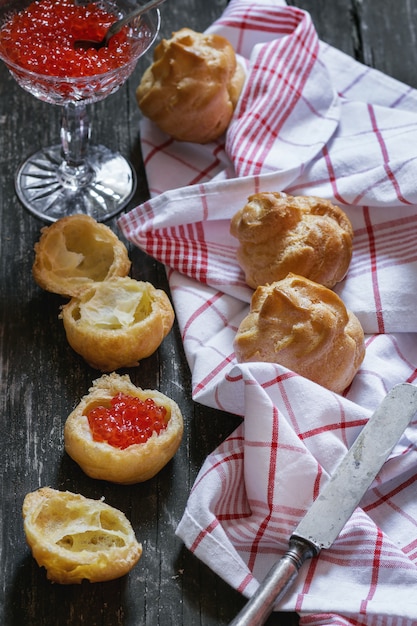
192,87
305,235
117,322
305,327
122,433
76,251
77,538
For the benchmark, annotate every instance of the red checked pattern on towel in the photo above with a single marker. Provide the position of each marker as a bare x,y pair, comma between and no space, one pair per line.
310,121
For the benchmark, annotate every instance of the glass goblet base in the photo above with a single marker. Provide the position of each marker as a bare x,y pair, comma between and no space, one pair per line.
50,189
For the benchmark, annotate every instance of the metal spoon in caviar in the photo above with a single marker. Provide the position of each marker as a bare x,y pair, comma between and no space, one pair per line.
116,27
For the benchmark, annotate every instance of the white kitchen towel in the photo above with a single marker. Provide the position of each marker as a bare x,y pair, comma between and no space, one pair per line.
310,121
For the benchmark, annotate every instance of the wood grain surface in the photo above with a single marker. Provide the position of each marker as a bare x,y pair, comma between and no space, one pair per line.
42,379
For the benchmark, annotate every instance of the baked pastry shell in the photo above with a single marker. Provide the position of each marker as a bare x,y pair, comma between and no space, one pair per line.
136,463
192,87
77,538
76,251
304,235
304,327
106,347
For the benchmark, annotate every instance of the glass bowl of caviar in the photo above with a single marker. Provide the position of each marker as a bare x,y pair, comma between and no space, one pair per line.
37,46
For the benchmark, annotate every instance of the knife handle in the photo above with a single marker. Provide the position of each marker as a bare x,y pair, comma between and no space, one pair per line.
278,580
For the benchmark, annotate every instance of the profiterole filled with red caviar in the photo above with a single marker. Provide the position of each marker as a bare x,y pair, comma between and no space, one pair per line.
122,433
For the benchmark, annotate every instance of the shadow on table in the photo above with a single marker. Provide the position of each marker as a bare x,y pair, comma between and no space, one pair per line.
217,600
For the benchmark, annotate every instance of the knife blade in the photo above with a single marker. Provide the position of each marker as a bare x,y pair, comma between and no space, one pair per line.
336,503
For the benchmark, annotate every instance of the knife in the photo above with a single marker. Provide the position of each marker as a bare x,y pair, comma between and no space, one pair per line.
335,504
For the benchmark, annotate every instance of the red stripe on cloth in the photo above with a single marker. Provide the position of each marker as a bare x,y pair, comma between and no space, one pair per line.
261,18
135,220
172,151
202,260
317,482
182,247
224,461
281,115
396,245
220,366
307,584
234,379
328,427
220,405
208,304
385,155
245,582
332,176
203,534
273,457
233,502
279,70
204,202
156,149
356,80
374,268
411,549
205,173
374,570
387,497
412,377
270,488
334,620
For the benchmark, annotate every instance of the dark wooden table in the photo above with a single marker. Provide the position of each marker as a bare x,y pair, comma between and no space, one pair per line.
42,379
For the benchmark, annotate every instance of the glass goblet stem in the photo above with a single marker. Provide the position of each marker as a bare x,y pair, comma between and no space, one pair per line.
75,132
75,170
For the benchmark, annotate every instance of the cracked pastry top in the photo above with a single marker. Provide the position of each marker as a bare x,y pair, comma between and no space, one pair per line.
305,235
191,89
306,328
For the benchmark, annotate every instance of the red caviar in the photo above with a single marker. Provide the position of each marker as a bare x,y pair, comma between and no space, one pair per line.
41,39
127,421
